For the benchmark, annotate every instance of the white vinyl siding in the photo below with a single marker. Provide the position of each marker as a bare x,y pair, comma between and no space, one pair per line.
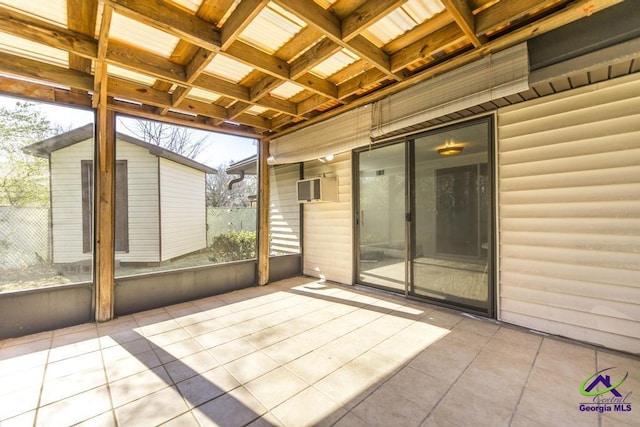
569,214
183,211
142,180
66,202
328,227
284,210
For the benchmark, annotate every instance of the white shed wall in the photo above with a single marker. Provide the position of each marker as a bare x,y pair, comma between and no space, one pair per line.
284,210
569,214
182,209
66,202
328,227
142,181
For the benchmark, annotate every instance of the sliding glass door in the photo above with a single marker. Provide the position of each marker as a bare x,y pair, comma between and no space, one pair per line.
451,205
381,217
424,216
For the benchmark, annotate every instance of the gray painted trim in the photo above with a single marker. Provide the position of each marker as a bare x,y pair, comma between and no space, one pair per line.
148,291
611,55
43,309
284,267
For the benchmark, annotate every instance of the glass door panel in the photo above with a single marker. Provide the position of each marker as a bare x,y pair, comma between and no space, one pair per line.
451,204
381,217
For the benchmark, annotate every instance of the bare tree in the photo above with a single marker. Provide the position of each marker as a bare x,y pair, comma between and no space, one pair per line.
180,140
220,195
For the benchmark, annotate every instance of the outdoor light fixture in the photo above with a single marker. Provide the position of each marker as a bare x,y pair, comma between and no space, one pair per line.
329,157
450,148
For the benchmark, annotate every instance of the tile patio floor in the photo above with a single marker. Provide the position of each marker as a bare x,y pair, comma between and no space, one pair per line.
298,353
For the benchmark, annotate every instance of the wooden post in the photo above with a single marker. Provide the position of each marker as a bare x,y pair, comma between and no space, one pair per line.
104,221
263,214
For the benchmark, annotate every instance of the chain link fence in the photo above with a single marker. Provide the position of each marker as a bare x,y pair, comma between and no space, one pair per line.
24,237
222,220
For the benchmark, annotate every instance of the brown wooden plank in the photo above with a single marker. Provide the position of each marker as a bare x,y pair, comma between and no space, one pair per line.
39,31
428,46
42,93
237,109
320,86
170,19
263,87
105,211
40,71
316,54
419,32
263,213
571,13
199,122
240,19
258,59
146,62
81,17
299,43
366,15
360,82
462,14
100,72
330,25
506,11
222,87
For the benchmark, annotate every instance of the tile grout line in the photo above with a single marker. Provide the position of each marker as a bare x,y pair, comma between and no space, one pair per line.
107,382
44,374
456,380
533,362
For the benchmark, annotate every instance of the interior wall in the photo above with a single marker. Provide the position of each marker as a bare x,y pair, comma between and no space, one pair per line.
328,226
569,213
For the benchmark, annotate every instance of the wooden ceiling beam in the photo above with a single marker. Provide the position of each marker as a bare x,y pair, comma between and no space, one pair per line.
100,72
35,30
428,46
419,32
316,54
200,122
505,12
462,14
43,72
170,19
81,17
359,82
43,93
331,26
366,15
572,12
240,19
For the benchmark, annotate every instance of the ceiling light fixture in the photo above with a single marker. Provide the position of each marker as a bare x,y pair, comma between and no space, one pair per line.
450,148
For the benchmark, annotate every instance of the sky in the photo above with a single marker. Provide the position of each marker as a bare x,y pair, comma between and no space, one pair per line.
220,148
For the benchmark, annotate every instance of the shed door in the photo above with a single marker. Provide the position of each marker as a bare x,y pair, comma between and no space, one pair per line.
121,207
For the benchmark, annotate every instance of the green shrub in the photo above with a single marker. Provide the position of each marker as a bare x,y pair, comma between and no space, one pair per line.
233,246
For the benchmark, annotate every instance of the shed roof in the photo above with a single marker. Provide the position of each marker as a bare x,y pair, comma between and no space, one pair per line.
254,68
248,166
45,147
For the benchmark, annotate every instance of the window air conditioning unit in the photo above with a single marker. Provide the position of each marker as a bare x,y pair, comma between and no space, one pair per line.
319,189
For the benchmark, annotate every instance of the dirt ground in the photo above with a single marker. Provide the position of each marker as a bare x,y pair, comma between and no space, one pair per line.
43,275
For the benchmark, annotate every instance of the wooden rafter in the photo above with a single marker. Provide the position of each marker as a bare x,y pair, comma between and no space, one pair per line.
366,15
462,14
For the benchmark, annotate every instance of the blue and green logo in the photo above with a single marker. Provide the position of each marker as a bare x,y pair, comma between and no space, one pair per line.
598,386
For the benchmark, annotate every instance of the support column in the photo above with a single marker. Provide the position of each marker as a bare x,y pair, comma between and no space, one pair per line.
263,213
104,218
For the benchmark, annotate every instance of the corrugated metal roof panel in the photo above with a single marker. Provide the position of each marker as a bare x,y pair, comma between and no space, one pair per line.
50,10
401,20
421,10
32,50
271,29
126,74
227,68
256,109
142,36
334,63
287,90
191,5
203,95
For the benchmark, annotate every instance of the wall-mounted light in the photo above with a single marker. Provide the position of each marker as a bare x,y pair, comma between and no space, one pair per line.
329,157
450,148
